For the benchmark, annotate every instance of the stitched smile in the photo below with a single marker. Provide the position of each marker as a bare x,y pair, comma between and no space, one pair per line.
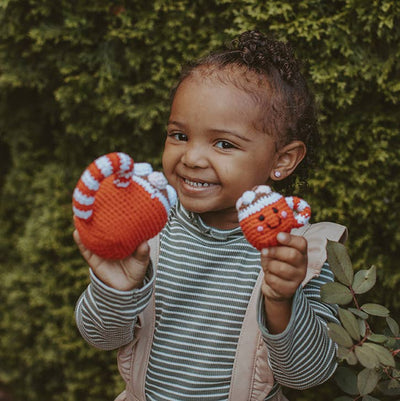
276,225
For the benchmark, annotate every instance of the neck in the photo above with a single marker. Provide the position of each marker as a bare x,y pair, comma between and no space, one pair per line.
223,220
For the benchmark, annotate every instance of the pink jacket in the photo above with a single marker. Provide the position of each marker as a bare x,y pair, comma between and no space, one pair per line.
252,377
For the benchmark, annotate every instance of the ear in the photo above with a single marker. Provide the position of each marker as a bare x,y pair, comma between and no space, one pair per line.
287,159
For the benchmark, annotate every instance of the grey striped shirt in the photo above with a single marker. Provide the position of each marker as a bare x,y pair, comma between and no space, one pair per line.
204,281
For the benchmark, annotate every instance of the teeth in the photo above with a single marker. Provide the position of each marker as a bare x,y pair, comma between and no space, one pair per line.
197,184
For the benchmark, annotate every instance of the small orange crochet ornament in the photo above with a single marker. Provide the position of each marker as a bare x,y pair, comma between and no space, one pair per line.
263,214
118,204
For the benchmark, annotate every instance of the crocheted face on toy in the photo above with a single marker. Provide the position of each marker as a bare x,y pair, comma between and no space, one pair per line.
118,204
263,214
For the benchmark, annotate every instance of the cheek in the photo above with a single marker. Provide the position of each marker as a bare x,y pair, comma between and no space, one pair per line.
168,159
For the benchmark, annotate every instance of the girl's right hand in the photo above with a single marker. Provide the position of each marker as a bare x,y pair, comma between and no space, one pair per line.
123,275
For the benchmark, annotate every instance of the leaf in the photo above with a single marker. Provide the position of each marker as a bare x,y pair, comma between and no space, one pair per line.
367,380
352,358
346,354
346,379
350,323
339,335
394,384
387,389
364,280
363,327
342,352
383,354
375,310
367,358
358,313
377,338
340,263
391,342
336,293
393,326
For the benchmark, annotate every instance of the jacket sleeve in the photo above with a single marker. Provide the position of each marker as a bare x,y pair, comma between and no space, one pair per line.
106,317
303,355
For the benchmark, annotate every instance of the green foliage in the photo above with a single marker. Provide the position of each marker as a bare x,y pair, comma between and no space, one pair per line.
83,78
368,358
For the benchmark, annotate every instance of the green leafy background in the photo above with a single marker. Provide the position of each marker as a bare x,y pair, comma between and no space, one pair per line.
82,78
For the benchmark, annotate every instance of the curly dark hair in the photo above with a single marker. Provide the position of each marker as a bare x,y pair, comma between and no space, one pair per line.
272,76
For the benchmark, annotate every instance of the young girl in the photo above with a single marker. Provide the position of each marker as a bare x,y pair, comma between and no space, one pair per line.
219,321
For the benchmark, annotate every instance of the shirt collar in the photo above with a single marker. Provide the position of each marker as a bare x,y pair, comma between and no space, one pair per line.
194,222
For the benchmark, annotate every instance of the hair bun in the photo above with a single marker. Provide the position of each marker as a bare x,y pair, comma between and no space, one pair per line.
260,53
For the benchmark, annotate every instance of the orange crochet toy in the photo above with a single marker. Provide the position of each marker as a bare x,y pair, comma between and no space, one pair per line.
118,204
264,213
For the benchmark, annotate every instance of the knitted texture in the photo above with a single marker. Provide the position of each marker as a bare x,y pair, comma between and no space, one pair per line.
263,214
118,204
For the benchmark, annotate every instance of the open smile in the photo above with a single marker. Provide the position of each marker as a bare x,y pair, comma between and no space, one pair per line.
192,184
197,184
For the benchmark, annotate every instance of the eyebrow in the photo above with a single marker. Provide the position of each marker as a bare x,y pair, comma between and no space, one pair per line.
214,130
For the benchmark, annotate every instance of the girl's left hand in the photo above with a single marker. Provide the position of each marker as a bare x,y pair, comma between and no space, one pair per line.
285,267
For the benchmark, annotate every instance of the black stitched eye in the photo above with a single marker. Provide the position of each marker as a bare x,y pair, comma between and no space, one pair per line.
275,210
261,217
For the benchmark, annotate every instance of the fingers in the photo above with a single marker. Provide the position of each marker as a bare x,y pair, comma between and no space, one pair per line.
292,250
83,250
284,266
293,241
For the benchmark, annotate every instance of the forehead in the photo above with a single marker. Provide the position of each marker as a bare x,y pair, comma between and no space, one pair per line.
224,93
209,105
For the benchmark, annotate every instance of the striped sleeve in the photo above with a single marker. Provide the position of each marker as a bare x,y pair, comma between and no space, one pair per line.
303,355
106,317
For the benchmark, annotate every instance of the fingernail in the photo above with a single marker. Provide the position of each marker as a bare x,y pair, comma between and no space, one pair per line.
264,251
281,236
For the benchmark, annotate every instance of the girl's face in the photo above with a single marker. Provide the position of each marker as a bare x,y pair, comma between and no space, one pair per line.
213,152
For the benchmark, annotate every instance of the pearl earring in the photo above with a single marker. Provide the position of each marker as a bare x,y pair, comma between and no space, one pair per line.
277,173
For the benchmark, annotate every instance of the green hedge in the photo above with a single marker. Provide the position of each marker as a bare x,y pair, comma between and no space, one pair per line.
83,78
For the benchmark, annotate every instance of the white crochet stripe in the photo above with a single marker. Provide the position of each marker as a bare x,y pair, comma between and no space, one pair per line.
302,205
125,162
302,219
82,198
104,164
258,205
289,200
90,182
158,180
163,200
172,196
142,169
121,184
82,214
154,193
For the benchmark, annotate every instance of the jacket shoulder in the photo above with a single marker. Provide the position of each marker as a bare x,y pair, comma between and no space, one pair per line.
317,236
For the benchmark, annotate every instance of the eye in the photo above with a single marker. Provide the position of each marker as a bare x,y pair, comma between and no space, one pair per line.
179,136
225,145
275,210
261,218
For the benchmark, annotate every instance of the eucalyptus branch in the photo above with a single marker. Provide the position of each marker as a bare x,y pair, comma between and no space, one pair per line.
366,359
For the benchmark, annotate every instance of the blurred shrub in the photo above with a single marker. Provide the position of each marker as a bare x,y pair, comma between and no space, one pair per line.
83,78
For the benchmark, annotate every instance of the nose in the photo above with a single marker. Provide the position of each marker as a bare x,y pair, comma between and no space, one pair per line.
195,156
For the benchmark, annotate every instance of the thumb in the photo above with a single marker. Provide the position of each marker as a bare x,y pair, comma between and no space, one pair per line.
142,253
